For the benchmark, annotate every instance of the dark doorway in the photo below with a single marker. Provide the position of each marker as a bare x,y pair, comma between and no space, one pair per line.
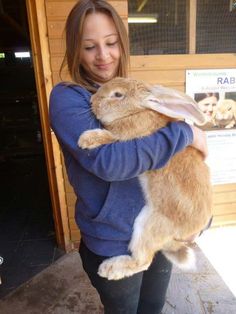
27,235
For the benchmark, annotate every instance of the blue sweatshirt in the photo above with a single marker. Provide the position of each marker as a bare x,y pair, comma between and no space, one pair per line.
105,179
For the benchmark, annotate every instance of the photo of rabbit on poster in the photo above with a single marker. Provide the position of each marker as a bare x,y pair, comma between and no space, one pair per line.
220,112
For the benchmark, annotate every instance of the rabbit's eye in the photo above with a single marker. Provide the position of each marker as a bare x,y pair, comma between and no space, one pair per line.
118,95
229,109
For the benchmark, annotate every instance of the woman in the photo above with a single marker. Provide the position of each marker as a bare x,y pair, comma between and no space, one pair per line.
207,103
104,179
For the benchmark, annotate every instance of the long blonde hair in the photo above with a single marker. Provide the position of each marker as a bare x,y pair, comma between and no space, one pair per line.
73,32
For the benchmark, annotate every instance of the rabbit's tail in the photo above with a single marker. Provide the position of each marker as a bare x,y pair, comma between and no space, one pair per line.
184,258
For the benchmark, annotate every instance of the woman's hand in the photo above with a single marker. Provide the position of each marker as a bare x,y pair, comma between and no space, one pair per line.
199,140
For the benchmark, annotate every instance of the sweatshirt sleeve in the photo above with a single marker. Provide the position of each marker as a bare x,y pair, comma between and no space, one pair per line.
70,115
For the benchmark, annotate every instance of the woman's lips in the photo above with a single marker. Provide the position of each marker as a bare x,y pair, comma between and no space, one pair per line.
103,66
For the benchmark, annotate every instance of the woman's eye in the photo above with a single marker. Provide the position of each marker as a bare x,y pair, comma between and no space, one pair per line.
112,44
89,48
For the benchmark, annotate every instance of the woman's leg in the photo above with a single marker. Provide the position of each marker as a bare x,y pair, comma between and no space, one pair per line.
154,286
117,296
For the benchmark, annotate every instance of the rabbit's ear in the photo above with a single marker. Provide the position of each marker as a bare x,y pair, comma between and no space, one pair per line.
174,104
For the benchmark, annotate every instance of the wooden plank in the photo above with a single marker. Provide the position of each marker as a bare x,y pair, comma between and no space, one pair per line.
71,211
56,28
225,197
43,41
56,63
56,78
61,9
225,219
224,187
56,46
71,199
192,25
73,225
198,61
75,235
225,208
140,5
41,58
68,187
160,76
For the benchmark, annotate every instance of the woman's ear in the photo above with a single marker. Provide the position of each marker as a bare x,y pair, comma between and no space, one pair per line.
174,104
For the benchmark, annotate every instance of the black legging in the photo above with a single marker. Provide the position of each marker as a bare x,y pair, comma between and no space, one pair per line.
142,293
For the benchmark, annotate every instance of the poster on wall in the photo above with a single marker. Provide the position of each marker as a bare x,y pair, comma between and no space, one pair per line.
214,90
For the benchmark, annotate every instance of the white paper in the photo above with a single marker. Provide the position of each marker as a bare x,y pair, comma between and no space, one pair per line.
221,137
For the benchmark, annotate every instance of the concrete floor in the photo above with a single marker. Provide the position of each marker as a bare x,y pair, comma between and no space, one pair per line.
63,288
218,244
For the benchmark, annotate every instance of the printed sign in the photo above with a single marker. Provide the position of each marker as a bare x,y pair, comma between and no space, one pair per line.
215,93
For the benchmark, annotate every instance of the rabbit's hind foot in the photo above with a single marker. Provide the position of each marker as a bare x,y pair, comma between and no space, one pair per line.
184,258
118,267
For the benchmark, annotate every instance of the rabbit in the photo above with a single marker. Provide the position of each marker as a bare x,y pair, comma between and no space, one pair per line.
178,196
224,114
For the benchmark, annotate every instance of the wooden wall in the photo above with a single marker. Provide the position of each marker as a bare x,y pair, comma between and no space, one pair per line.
168,70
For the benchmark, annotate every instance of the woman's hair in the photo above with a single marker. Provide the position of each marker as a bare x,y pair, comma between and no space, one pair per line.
200,96
74,29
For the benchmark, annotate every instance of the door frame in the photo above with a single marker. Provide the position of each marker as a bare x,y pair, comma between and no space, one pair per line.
41,58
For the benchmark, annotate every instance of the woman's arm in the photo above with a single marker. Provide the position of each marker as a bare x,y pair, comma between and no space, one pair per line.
70,116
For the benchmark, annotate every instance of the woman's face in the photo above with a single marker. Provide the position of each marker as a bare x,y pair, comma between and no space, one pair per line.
100,50
207,105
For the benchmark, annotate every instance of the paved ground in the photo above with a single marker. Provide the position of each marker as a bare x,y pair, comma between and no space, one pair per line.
218,244
63,288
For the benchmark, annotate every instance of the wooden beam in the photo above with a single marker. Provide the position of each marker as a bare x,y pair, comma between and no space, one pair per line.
41,58
192,25
141,4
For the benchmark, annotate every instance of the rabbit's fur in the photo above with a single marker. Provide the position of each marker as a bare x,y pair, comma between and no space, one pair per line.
178,196
224,114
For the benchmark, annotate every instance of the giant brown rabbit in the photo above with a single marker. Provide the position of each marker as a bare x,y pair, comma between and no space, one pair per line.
178,196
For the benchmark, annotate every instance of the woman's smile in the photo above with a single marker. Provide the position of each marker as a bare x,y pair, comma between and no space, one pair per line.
104,66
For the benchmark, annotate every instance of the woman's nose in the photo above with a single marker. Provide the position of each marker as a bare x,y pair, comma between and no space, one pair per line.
210,108
102,53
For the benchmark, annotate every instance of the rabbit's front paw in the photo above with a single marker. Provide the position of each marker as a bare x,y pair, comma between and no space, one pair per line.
230,125
94,138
